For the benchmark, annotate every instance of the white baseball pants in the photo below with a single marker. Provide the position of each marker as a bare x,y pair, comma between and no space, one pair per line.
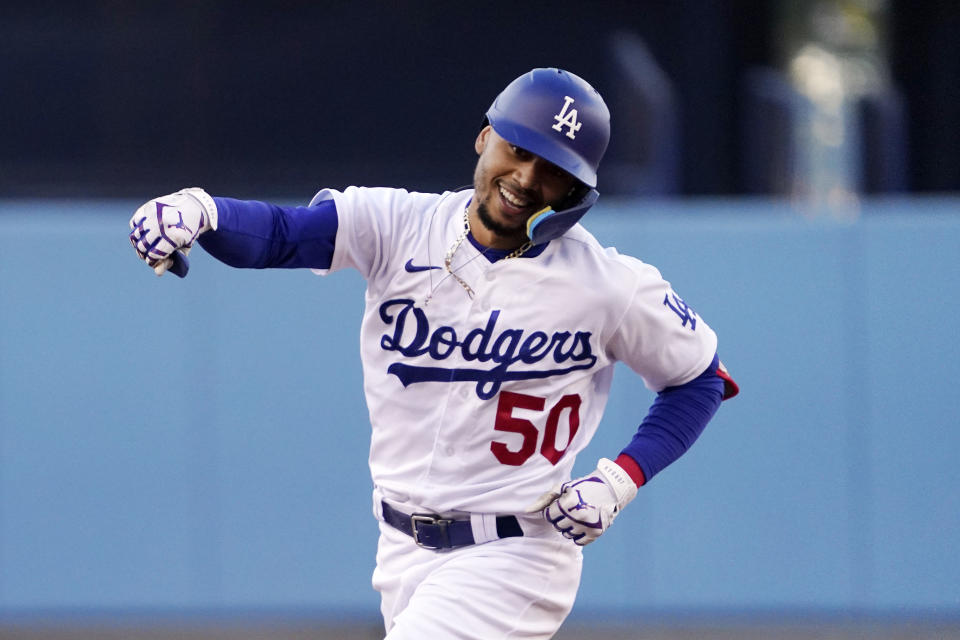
521,587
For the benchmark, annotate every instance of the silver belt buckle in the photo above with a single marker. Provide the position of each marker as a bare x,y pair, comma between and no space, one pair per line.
428,518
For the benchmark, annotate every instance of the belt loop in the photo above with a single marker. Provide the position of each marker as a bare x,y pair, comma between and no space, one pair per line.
484,526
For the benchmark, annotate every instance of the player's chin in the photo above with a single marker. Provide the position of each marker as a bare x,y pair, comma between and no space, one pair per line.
502,223
512,225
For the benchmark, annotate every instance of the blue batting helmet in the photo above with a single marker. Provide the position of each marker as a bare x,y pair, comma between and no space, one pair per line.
556,115
561,118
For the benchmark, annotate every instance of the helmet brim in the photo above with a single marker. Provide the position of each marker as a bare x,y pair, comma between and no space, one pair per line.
536,143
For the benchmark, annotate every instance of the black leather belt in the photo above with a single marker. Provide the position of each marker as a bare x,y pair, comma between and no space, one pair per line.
430,531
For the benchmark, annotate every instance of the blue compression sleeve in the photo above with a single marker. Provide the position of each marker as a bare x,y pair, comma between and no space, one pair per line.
676,419
258,235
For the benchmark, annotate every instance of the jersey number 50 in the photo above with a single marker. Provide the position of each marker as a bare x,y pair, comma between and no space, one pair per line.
506,421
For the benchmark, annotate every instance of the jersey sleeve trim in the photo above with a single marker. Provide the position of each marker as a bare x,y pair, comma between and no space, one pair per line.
730,387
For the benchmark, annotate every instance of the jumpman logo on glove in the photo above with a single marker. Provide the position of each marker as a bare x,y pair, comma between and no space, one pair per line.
180,224
581,503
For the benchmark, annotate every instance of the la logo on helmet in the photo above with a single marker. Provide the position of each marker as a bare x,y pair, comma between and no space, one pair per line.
568,119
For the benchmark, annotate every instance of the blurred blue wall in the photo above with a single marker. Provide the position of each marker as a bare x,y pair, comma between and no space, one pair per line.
200,444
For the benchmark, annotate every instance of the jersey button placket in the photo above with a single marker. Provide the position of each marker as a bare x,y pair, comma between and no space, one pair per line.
442,450
481,300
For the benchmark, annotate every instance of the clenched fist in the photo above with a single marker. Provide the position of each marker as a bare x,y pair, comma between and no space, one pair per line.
584,508
164,229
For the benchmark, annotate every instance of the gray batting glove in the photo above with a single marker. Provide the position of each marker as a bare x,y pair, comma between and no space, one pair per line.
584,508
171,223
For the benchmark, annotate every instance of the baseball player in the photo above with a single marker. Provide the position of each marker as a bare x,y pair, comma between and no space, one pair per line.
492,325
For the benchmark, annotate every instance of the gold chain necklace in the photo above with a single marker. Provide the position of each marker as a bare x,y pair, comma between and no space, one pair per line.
448,260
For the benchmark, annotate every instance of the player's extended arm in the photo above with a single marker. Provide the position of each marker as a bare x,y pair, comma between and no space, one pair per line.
243,233
583,508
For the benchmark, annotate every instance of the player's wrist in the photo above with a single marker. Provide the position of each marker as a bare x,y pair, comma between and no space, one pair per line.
619,481
207,205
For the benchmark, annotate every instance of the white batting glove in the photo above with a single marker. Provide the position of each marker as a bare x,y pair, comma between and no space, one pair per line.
171,223
584,508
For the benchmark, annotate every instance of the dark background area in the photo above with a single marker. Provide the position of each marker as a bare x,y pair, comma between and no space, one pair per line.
111,98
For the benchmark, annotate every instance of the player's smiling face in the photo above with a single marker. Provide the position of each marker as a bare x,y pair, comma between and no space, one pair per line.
511,184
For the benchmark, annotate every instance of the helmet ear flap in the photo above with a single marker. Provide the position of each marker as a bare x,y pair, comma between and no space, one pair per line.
548,224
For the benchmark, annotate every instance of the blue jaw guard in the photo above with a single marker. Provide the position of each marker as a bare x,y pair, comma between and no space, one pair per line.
547,224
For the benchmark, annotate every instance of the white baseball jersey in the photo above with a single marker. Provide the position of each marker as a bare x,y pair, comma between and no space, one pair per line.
480,403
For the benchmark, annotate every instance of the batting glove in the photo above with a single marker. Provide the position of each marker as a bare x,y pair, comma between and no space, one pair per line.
584,508
169,224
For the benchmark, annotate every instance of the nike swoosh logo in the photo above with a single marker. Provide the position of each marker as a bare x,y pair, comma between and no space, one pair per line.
412,268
